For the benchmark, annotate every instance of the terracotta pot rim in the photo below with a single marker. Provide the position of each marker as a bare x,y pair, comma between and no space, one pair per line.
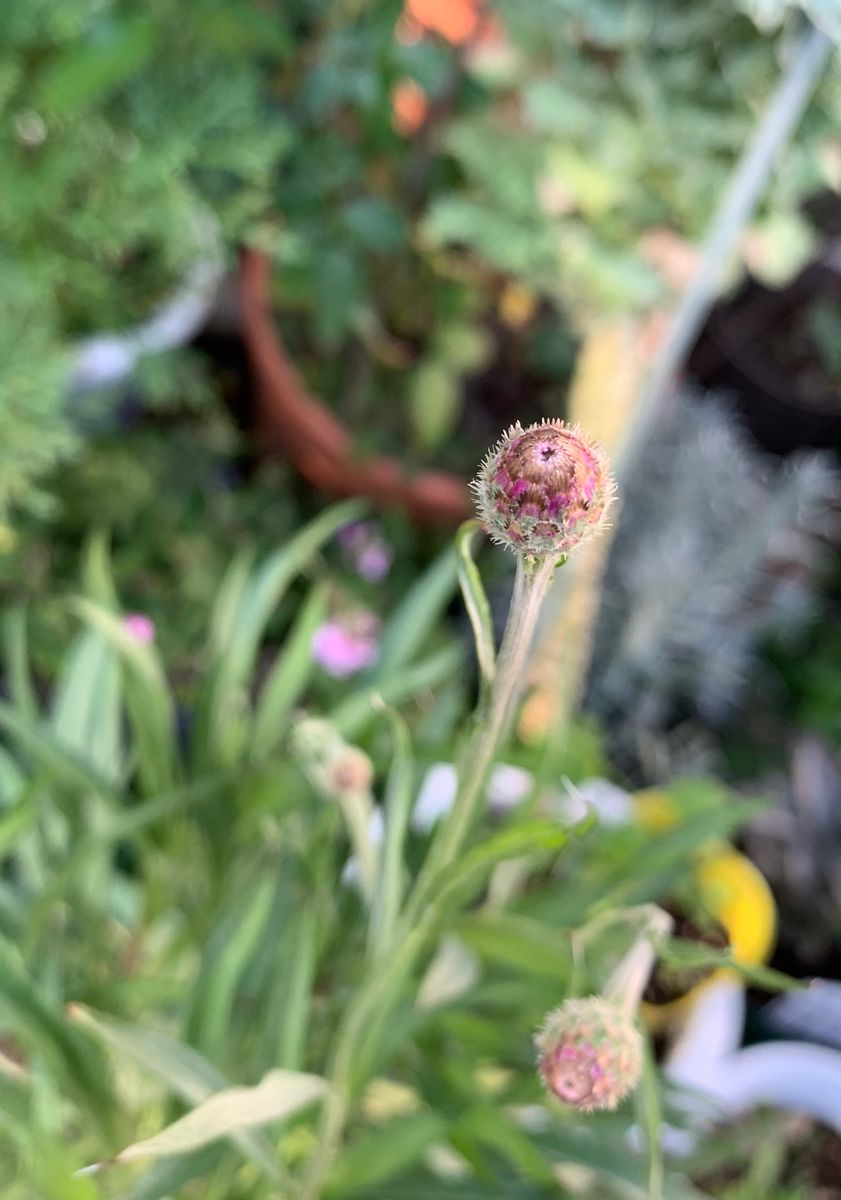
298,425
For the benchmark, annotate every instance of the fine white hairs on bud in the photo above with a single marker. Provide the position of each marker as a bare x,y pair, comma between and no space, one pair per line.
590,1054
544,490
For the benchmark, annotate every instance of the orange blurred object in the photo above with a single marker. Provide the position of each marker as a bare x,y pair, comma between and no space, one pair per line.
409,106
457,21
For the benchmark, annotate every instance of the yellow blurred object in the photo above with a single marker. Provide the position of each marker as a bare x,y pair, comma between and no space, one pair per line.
517,305
737,895
297,1145
655,810
491,1080
736,892
384,1099
8,539
602,400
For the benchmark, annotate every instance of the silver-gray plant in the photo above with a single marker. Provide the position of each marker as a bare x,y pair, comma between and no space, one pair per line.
717,545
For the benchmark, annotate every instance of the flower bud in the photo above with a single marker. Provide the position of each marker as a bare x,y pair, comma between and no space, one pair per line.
544,490
349,772
589,1054
314,739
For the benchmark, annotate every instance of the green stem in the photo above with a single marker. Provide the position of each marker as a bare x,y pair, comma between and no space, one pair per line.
630,978
491,725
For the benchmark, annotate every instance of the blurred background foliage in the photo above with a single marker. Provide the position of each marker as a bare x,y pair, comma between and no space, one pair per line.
472,213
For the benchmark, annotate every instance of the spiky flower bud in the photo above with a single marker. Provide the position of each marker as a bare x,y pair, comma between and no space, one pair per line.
589,1054
543,490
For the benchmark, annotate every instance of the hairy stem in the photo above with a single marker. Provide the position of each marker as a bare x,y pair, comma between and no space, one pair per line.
490,727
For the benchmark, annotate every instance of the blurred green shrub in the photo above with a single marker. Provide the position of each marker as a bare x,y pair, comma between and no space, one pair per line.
122,130
447,197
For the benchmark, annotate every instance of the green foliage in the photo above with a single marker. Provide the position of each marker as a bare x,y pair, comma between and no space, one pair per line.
210,947
126,137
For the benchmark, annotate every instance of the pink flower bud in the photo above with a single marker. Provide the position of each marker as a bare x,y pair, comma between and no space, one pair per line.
139,627
347,645
544,490
589,1054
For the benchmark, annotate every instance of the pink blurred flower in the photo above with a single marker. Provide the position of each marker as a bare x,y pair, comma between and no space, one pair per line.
366,550
139,627
345,645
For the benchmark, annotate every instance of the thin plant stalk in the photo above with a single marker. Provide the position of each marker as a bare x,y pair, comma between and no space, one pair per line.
491,724
541,491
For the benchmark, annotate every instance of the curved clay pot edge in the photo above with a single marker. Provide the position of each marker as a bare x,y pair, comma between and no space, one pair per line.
293,423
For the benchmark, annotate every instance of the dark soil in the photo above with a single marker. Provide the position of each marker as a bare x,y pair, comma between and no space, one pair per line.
670,982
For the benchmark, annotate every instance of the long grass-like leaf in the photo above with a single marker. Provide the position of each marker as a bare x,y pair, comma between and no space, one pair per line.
476,602
354,714
69,767
16,657
147,695
221,727
650,1112
229,601
85,713
407,630
398,801
299,947
233,944
48,1031
288,676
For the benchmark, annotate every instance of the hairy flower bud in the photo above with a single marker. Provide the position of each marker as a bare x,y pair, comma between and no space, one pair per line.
589,1054
543,490
349,772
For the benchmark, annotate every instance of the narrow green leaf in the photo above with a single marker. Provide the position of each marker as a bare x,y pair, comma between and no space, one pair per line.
375,1157
68,766
229,602
356,713
531,838
233,944
288,676
476,602
16,656
499,1134
682,952
531,947
53,1037
96,572
408,629
649,1108
86,705
278,1095
298,952
166,1178
388,892
148,698
221,728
